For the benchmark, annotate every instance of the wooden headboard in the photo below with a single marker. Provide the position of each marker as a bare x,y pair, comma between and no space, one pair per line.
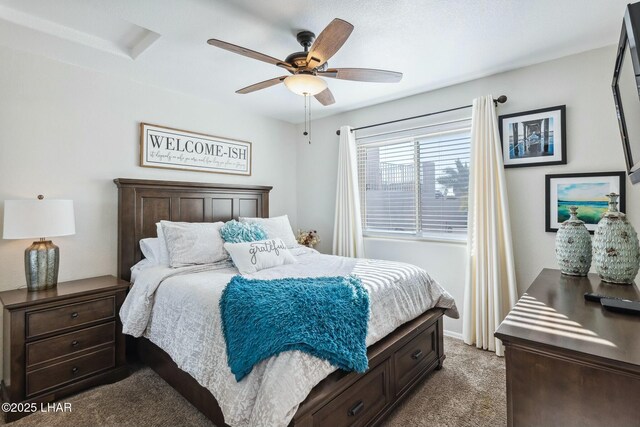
142,203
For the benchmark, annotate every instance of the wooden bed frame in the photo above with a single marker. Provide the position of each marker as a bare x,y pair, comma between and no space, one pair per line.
397,363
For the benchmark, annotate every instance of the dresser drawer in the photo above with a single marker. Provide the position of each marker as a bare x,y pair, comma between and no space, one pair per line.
68,344
69,316
70,370
360,403
415,356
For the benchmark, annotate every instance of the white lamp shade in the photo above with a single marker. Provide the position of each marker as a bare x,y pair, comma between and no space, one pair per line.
305,84
26,219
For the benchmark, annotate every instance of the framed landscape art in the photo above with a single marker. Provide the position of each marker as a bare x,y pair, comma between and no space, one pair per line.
534,138
587,191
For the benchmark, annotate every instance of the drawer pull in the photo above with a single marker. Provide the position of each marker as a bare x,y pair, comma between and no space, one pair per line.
74,370
416,354
355,409
74,315
75,343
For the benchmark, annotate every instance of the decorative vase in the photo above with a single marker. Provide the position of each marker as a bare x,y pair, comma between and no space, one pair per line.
573,246
616,251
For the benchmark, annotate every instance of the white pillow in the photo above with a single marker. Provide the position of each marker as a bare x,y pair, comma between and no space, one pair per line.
138,267
276,228
250,257
162,246
151,249
192,243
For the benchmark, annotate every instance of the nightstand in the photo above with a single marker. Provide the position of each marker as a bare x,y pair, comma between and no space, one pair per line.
61,341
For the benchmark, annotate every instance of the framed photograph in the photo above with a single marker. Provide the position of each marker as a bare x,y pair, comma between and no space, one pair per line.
163,147
534,138
587,191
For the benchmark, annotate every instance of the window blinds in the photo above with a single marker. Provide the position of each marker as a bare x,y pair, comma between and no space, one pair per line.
415,181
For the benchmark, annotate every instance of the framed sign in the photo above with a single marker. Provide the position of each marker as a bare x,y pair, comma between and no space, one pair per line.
587,191
162,147
534,138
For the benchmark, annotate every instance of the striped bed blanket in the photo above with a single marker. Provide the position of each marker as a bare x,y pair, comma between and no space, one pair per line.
401,292
379,273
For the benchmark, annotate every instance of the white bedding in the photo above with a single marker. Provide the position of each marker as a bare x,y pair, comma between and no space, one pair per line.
177,309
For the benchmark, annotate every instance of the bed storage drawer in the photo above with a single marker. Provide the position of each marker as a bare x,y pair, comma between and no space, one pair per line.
68,344
360,403
68,316
70,370
415,356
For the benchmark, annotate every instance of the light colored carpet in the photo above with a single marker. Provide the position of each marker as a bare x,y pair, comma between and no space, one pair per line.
468,391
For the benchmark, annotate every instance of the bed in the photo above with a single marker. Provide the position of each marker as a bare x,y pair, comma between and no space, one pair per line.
397,362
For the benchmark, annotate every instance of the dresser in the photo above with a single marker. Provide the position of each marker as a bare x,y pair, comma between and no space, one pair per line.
569,362
61,341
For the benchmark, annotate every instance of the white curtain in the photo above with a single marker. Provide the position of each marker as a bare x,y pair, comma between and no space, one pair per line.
347,230
490,290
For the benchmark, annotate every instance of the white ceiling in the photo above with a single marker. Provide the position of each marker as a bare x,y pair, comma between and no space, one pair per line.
435,43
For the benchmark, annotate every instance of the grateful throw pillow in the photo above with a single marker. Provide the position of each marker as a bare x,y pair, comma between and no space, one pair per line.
277,228
251,257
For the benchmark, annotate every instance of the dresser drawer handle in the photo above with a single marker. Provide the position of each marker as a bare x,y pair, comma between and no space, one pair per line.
416,354
75,343
74,314
74,370
355,409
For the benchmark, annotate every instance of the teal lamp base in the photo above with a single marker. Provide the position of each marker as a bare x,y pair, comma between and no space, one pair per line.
41,263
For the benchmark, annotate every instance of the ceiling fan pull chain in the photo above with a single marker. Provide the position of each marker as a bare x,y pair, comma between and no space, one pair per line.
305,133
309,98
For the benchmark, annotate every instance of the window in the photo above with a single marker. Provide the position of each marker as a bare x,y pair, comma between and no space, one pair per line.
415,182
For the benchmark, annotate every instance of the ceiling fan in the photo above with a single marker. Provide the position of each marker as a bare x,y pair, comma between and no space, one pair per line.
308,66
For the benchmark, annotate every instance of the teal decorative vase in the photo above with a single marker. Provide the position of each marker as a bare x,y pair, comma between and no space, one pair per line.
616,251
573,246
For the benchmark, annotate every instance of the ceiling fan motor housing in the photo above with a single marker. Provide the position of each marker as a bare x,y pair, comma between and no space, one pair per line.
299,59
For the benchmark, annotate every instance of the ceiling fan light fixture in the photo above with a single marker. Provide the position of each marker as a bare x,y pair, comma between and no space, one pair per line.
305,84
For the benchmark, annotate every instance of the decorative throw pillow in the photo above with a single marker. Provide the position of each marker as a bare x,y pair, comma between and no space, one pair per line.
192,243
250,257
151,250
238,232
277,228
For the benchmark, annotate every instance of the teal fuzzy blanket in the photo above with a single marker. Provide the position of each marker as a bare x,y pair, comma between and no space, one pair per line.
326,317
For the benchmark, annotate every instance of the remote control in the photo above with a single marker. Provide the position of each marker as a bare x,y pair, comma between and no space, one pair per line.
590,296
621,305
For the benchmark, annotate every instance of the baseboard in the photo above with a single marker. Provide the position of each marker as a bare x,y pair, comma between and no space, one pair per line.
451,334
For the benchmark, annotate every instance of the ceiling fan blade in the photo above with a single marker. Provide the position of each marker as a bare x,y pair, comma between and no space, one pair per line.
328,42
262,85
362,75
250,53
325,97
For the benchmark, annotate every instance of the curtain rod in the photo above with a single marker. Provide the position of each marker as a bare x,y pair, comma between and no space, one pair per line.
501,99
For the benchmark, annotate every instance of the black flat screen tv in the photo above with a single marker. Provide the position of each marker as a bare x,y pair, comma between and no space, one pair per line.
626,89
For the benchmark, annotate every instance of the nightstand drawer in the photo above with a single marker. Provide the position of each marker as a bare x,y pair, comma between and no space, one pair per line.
68,316
67,344
70,370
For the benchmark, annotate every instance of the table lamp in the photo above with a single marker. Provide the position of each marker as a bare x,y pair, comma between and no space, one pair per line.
24,219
